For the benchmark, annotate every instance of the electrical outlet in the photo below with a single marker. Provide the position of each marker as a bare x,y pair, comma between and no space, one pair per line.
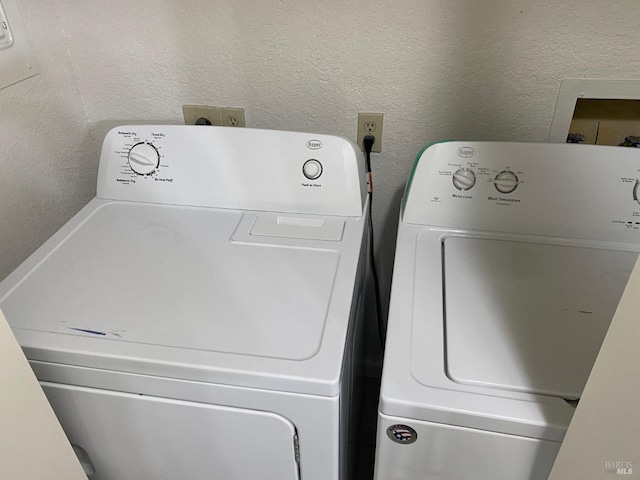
233,117
194,112
370,124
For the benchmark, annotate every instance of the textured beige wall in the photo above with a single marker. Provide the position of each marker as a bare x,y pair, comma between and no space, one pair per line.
47,164
437,69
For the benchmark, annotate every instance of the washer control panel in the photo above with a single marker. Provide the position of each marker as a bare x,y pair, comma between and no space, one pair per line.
233,168
465,179
528,188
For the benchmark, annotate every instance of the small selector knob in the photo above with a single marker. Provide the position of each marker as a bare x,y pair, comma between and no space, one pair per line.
312,169
144,158
464,179
506,181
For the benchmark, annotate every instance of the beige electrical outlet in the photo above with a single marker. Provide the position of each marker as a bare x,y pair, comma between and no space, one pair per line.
370,124
233,117
194,112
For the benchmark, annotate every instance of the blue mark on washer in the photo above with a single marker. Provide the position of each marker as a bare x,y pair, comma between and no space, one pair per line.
85,330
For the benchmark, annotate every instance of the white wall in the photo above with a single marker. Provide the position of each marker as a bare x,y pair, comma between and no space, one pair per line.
437,69
46,173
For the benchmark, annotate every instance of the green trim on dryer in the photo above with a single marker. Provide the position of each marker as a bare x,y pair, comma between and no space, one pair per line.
413,170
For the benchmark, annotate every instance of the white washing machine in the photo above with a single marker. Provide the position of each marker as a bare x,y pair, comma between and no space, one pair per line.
198,318
510,262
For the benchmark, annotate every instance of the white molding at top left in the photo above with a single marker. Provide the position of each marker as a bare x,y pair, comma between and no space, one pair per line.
17,61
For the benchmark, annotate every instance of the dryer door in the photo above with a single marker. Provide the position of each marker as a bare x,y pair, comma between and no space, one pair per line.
120,436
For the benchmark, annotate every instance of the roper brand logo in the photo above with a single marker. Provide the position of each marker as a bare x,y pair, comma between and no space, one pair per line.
314,144
466,152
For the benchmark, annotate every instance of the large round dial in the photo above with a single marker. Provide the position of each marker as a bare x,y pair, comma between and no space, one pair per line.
506,181
144,158
636,187
464,179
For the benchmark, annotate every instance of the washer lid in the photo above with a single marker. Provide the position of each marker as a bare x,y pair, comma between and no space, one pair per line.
528,317
143,274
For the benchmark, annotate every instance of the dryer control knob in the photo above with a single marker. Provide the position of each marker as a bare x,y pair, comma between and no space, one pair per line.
144,158
506,181
312,169
464,179
636,195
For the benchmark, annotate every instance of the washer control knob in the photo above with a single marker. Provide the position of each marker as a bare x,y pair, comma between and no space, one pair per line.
312,169
144,158
636,194
464,179
506,181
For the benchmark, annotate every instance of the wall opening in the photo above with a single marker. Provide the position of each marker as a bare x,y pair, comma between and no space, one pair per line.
599,112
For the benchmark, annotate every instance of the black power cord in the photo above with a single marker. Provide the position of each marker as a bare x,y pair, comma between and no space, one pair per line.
367,143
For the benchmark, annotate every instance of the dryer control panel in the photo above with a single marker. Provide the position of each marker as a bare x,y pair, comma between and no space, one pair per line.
579,191
233,168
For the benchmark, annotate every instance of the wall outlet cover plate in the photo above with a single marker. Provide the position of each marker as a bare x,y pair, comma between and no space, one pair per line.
192,113
233,117
17,61
370,124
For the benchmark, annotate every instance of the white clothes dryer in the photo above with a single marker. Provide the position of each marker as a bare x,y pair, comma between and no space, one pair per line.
510,262
199,317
